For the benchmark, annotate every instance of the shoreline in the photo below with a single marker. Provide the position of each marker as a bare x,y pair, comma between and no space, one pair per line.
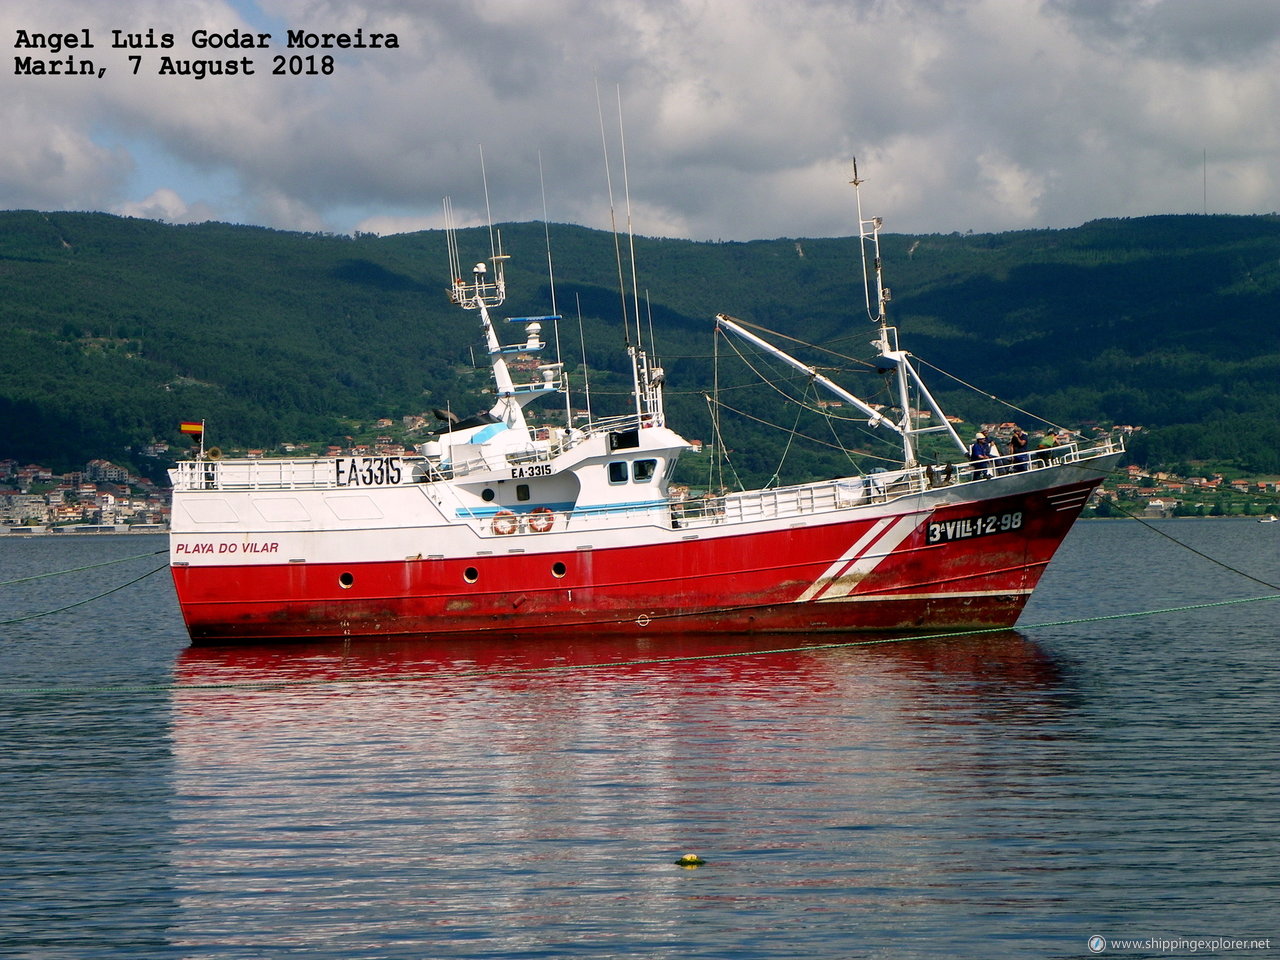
84,529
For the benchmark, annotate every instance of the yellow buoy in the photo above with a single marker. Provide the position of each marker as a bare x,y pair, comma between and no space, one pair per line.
690,860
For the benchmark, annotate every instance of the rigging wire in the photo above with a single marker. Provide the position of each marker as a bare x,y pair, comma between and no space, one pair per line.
839,445
772,383
805,343
715,469
864,363
991,396
823,443
713,412
791,436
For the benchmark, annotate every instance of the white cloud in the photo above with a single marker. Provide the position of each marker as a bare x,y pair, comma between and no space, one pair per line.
165,204
741,116
386,225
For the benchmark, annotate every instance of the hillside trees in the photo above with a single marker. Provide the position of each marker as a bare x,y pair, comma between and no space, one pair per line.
113,330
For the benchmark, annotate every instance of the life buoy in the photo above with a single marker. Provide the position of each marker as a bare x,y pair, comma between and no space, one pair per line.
541,519
504,523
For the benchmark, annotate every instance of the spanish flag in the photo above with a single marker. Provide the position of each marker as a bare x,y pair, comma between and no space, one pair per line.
191,426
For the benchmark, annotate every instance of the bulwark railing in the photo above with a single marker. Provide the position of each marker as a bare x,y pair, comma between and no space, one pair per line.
311,473
797,500
873,488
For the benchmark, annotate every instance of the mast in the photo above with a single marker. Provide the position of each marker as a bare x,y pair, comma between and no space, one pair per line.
891,357
488,290
886,343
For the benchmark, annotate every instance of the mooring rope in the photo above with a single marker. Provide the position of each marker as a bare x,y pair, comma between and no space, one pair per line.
90,566
280,683
81,603
654,661
1186,546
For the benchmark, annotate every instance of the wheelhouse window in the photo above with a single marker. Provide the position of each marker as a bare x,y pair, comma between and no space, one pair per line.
618,471
643,471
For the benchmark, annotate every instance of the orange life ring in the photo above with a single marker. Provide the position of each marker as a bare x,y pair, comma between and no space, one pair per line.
505,523
541,519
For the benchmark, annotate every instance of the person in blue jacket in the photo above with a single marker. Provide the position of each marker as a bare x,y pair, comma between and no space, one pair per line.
979,454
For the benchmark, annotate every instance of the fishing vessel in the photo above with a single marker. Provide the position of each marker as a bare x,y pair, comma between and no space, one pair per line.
502,529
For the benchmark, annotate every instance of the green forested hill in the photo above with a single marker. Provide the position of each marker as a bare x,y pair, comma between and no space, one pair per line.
112,330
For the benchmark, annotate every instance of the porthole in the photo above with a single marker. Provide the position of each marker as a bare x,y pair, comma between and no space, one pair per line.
558,570
487,494
471,574
345,581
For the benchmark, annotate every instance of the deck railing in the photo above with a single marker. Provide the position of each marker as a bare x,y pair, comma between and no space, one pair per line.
827,496
790,501
799,500
308,473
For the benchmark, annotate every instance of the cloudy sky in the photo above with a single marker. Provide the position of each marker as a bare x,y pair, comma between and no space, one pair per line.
739,116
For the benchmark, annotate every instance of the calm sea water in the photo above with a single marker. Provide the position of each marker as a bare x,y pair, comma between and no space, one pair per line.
1008,795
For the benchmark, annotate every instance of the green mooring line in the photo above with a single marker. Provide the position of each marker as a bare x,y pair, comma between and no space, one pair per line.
81,603
569,667
91,566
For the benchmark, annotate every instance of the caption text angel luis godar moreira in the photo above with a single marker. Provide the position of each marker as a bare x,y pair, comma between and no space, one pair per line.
62,53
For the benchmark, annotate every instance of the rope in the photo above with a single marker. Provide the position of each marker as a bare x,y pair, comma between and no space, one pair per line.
80,603
91,566
1188,547
650,661
269,684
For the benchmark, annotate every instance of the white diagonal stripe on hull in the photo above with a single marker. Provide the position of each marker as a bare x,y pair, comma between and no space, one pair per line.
930,595
843,576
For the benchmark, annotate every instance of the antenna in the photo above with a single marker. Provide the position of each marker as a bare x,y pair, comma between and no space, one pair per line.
546,231
488,214
586,370
451,239
631,236
648,306
551,278
870,230
613,220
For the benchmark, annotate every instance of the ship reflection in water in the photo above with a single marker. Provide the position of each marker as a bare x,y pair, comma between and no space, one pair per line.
484,800
877,677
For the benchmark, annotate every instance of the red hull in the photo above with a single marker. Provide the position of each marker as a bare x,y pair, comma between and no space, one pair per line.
956,566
